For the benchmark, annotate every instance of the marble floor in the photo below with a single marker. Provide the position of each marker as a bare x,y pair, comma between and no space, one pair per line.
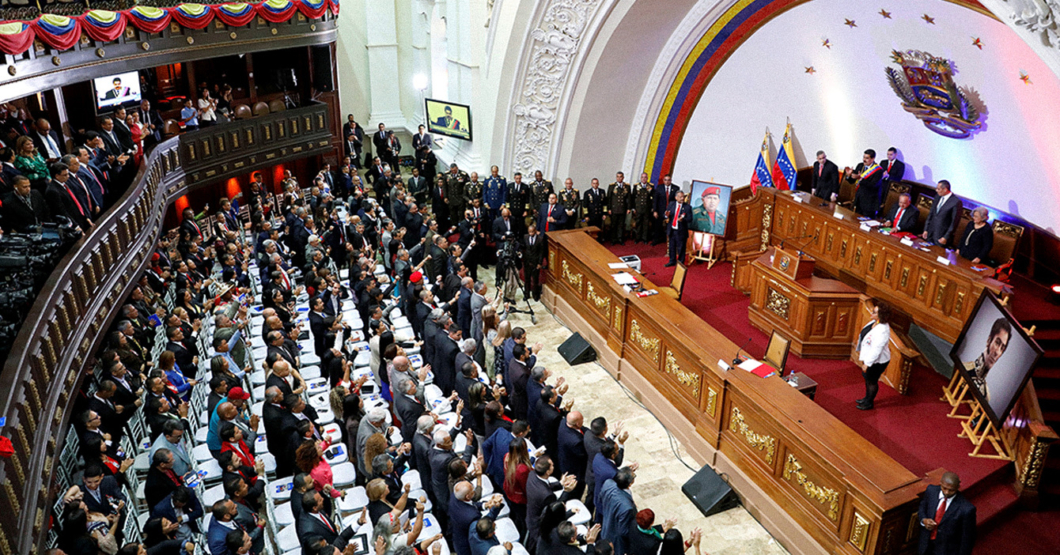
661,473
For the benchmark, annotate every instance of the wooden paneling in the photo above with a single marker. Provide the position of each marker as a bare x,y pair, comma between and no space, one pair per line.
835,484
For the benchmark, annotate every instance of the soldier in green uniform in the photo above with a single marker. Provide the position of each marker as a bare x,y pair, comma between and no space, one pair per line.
571,202
706,217
643,200
619,197
539,192
456,191
473,189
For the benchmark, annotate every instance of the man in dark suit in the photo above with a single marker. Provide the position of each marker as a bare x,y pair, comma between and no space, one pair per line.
176,506
518,198
893,168
463,306
570,453
189,229
534,251
354,129
387,146
945,213
24,208
90,176
152,122
824,181
102,494
408,408
678,216
7,163
665,193
866,177
518,374
547,418
503,227
618,509
315,526
903,216
161,480
117,91
62,199
445,351
463,512
441,455
318,326
186,359
551,216
48,142
122,129
947,519
540,492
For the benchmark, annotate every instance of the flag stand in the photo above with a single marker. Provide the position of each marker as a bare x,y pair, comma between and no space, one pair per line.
702,252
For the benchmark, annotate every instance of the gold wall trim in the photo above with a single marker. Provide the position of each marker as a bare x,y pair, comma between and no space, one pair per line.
827,496
649,345
778,304
712,402
1032,467
602,303
767,223
688,379
574,279
859,531
618,318
762,442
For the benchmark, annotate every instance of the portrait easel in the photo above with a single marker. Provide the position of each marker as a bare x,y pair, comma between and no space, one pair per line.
701,248
980,430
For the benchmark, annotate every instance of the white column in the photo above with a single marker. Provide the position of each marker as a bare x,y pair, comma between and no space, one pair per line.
383,64
421,53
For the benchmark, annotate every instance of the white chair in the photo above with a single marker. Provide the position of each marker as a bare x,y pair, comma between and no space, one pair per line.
581,513
283,515
213,495
258,378
201,453
201,433
506,530
268,460
309,372
363,358
412,479
332,431
336,454
356,499
287,539
418,493
280,490
404,333
316,386
430,526
518,549
343,474
210,470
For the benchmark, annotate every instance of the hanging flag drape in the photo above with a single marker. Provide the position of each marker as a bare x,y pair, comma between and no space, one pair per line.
102,25
192,16
149,19
235,15
57,31
15,37
276,11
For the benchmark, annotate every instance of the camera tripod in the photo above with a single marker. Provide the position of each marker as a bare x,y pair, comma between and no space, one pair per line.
509,283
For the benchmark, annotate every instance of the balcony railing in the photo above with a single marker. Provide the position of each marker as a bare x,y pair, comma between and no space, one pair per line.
67,322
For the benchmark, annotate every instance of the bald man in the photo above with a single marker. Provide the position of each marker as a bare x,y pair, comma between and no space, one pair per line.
947,519
464,512
572,457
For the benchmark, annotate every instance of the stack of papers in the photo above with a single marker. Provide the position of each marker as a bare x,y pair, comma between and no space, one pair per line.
758,368
623,278
618,265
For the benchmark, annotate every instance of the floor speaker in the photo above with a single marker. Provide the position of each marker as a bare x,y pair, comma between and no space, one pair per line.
576,350
709,492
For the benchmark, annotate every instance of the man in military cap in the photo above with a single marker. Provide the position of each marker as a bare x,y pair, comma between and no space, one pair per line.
595,201
495,193
518,197
643,204
619,197
473,189
707,217
571,202
456,190
539,192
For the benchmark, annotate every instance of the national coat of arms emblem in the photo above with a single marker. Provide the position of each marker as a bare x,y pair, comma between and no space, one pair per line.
927,90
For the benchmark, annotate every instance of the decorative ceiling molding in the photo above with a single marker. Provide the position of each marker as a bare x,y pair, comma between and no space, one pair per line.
1037,22
550,63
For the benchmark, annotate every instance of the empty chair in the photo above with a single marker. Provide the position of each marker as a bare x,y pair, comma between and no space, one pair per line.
171,128
261,109
277,106
242,111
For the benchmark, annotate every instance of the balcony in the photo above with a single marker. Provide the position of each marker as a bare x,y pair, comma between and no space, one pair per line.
65,326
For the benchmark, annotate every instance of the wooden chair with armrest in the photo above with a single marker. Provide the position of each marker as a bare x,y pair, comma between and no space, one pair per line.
677,284
1006,240
777,351
923,206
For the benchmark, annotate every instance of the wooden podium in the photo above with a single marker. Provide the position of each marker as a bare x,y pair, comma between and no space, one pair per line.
819,315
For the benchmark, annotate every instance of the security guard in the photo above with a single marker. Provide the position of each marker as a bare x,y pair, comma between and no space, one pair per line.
571,202
619,198
540,190
643,200
473,189
595,201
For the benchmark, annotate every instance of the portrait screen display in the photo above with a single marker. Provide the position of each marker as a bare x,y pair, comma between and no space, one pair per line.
710,206
116,90
448,118
995,357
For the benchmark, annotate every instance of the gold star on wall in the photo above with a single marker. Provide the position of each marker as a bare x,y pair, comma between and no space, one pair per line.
886,14
929,19
810,70
850,23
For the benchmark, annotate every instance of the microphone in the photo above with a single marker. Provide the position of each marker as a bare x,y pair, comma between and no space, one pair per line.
815,233
783,241
736,361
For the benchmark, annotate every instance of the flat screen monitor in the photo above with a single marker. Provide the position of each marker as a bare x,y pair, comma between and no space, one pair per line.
995,357
112,91
448,118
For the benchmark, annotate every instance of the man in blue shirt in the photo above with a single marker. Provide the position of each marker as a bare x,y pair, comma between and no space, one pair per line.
189,116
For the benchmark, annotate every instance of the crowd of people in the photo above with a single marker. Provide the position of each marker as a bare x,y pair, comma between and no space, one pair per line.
333,375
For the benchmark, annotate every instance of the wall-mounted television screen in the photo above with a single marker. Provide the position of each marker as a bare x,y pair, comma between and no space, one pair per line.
448,118
116,90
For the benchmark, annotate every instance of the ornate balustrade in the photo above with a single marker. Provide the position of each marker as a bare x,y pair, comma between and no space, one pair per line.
65,326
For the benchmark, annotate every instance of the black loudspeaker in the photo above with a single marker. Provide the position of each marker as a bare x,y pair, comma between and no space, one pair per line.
322,78
709,492
576,350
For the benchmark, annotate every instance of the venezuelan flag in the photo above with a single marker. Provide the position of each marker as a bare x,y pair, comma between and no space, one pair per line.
761,176
784,167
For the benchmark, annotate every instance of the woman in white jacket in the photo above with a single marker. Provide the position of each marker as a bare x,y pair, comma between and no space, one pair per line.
874,351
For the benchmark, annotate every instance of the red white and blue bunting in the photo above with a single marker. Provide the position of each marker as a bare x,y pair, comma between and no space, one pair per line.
62,33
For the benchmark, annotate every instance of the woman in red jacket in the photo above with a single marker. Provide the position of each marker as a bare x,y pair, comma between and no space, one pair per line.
516,471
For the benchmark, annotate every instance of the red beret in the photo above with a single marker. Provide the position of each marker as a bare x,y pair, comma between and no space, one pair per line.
712,191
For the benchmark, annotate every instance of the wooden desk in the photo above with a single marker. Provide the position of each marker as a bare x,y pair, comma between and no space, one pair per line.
817,314
938,297
805,384
838,487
